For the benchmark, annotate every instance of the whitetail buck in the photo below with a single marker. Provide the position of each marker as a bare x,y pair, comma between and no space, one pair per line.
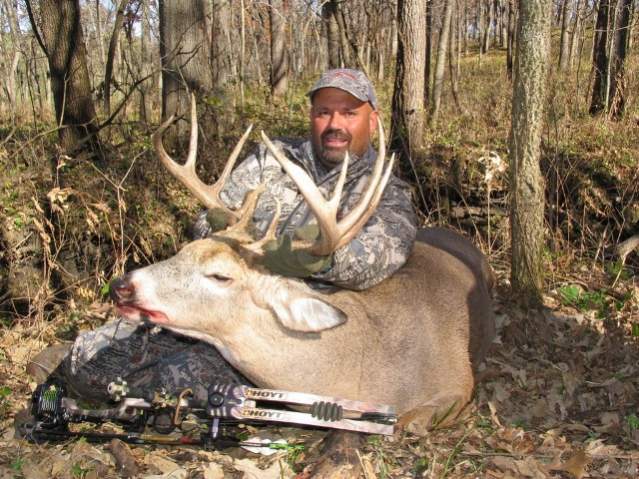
409,341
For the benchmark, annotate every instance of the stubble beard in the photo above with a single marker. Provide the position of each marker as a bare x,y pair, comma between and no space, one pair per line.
331,157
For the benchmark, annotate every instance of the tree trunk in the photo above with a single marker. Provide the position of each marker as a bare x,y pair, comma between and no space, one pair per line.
145,68
184,55
98,32
345,49
13,52
485,44
465,29
221,61
407,122
576,30
617,93
64,47
279,54
526,181
329,12
564,45
440,66
511,38
452,53
600,60
480,28
108,71
503,16
429,38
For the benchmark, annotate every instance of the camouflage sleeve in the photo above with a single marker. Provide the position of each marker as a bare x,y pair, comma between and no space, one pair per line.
244,178
381,247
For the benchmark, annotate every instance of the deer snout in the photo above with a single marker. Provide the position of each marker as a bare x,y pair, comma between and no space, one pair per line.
122,290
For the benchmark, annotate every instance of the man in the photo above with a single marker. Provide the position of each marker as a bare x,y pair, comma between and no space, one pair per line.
343,118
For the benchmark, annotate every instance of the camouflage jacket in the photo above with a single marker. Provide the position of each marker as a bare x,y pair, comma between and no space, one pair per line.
378,250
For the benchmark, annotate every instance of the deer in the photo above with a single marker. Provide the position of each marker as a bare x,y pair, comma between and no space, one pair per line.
411,341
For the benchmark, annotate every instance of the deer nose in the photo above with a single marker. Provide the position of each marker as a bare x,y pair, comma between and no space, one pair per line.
122,290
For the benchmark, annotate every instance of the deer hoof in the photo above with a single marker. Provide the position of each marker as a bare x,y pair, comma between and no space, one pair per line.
433,415
339,459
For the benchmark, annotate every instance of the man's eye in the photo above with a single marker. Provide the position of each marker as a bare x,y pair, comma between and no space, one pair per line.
350,113
218,277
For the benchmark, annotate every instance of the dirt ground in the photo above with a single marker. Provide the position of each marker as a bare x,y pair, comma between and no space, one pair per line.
556,398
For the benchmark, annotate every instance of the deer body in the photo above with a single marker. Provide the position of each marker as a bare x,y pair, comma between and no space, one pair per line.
404,342
410,341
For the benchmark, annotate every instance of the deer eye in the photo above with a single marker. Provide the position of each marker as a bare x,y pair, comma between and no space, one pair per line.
219,277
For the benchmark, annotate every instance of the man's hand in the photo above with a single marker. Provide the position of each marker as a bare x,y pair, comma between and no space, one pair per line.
217,219
279,257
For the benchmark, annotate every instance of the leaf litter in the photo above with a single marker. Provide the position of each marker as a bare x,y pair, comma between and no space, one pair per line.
557,397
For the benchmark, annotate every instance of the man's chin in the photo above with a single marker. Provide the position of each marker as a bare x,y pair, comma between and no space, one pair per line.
332,157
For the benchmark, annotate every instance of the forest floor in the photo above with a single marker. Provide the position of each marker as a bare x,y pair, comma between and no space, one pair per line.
557,397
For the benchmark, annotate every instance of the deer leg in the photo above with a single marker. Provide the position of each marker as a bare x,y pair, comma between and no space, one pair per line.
440,411
338,457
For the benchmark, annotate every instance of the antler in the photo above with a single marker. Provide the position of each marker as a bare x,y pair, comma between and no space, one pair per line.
334,233
209,195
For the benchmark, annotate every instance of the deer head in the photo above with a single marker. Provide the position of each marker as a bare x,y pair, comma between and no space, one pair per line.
226,270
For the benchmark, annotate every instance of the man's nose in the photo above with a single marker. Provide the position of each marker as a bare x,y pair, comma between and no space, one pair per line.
336,121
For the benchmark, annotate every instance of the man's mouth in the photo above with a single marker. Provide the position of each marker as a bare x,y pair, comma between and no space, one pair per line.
335,141
135,313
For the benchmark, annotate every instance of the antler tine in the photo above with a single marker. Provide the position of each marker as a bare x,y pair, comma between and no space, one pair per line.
353,216
321,209
207,194
257,246
371,207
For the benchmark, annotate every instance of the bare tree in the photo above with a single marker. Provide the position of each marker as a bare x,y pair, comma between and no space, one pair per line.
279,54
108,70
490,18
576,33
429,39
62,41
564,44
407,122
11,52
329,12
526,181
440,66
600,59
619,50
512,20
221,45
185,54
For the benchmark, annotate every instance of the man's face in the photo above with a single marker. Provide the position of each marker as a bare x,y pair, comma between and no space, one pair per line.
340,123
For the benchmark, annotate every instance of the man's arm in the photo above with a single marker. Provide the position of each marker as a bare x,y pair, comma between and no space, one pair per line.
246,176
381,247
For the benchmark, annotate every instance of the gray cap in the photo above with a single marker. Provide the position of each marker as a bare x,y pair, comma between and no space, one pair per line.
351,81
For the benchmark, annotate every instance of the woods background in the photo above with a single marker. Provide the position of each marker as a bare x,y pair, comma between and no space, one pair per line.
516,122
510,119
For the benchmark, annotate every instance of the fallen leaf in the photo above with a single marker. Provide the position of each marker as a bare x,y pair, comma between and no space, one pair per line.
175,474
160,464
36,471
125,463
576,465
213,471
277,470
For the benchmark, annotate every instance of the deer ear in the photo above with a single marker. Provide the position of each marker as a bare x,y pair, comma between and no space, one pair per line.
298,310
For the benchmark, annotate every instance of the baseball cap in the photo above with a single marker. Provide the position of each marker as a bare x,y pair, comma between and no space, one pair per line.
351,81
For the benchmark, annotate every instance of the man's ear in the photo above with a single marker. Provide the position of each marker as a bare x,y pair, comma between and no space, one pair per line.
298,309
374,116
